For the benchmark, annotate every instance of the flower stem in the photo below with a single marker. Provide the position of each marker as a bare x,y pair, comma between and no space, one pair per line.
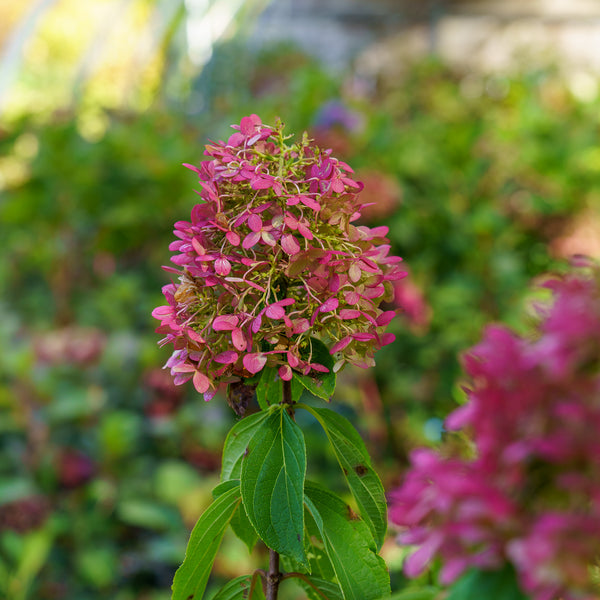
274,576
287,393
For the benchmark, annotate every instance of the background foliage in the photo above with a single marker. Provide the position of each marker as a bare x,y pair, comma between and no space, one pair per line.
104,464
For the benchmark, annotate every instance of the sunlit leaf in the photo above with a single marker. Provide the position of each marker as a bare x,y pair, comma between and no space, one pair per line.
355,463
236,444
191,577
239,589
361,573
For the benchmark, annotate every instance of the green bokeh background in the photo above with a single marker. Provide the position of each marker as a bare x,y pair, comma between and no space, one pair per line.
104,464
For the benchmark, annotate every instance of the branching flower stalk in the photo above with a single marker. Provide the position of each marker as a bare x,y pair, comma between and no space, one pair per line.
271,259
276,290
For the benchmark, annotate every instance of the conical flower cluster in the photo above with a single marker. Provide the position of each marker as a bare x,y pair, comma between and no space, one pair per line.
270,260
529,493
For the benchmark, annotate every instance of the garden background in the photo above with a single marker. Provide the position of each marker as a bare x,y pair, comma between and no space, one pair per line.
485,165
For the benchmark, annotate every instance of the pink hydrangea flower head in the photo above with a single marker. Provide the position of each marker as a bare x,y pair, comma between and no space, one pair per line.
527,488
271,259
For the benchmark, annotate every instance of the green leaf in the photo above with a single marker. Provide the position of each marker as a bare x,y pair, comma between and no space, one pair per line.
491,585
236,443
239,589
323,384
319,564
297,389
148,514
191,577
225,486
361,573
327,590
272,483
355,462
269,390
243,529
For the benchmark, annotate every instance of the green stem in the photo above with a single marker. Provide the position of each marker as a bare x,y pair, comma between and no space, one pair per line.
274,576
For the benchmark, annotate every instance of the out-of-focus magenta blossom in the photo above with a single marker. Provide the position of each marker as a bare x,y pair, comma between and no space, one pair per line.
409,297
270,260
529,491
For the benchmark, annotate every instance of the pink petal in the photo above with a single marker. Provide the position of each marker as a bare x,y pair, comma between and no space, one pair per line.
285,302
184,368
374,292
290,245
340,345
349,313
209,395
301,325
380,231
338,186
226,358
304,231
235,139
268,238
195,336
248,124
329,305
385,318
256,324
275,312
192,167
285,372
415,564
334,283
363,336
225,322
387,338
238,339
161,311
255,223
309,202
198,247
251,239
293,360
261,183
222,266
233,238
291,221
354,273
201,382
254,362
352,297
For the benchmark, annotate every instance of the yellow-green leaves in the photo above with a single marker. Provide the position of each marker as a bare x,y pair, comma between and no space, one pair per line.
191,578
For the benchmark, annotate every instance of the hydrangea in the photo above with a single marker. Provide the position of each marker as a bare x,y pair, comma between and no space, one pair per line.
271,260
527,489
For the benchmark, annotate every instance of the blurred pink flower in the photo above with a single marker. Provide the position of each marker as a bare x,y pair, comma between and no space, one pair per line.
530,494
75,345
409,297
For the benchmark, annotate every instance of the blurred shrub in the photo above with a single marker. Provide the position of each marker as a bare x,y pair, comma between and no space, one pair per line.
106,463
